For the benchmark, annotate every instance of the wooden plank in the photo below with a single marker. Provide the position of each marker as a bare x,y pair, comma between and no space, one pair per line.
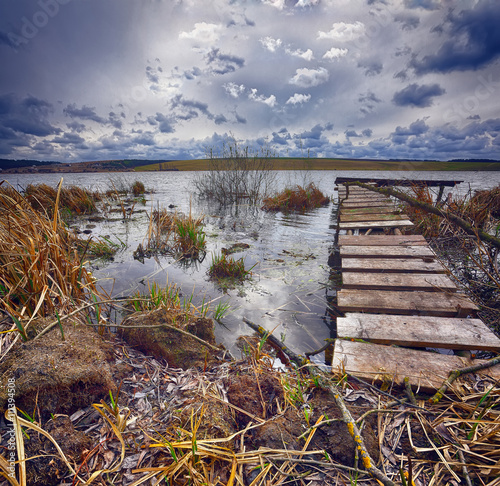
373,217
386,252
378,364
418,331
370,210
392,302
387,265
382,240
376,224
426,282
367,200
397,182
381,204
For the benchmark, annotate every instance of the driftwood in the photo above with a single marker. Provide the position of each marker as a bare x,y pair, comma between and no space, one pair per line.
327,384
460,222
459,372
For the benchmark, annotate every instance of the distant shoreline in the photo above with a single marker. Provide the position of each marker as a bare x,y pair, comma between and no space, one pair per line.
278,163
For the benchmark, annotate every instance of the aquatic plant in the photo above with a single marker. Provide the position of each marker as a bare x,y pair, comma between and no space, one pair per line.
236,173
174,233
296,199
137,188
225,267
73,199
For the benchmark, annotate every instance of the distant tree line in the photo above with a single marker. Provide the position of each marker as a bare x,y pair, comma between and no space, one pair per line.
14,164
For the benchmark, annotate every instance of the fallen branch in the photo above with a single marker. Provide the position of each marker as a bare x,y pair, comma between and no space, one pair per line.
454,374
461,223
326,384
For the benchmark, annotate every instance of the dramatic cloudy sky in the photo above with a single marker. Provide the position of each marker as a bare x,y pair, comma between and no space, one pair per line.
107,79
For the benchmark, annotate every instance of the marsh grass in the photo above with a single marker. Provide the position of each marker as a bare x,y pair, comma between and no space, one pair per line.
137,188
40,269
298,198
73,199
175,234
225,268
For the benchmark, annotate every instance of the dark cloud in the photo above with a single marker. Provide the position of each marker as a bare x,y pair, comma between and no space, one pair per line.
425,4
416,95
402,134
165,123
351,133
369,97
192,73
408,21
84,113
474,41
70,139
220,63
367,132
372,68
76,126
6,40
402,75
27,116
281,137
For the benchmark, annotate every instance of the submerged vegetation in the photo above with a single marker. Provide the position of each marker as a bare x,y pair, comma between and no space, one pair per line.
237,173
174,234
296,199
225,268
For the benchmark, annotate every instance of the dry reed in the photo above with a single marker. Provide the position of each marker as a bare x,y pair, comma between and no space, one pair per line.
297,199
40,270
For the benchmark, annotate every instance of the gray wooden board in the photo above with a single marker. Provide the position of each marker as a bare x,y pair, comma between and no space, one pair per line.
426,282
418,331
378,364
382,240
397,302
387,265
370,210
366,200
376,224
372,217
386,252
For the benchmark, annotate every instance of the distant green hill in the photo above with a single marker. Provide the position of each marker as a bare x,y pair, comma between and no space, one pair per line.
14,164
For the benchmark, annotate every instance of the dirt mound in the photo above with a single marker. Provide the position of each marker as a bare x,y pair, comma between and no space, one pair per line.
49,469
53,375
147,334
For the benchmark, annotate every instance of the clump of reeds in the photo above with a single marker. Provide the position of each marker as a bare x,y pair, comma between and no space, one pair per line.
40,269
426,224
138,188
73,199
298,198
176,234
225,267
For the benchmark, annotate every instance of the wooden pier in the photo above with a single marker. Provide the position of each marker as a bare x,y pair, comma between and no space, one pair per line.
396,295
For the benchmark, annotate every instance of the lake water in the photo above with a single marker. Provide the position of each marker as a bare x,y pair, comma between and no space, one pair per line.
291,285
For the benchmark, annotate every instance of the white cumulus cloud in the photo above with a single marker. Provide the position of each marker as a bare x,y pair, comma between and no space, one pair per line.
298,98
335,53
203,32
270,43
307,78
307,3
307,55
234,89
343,32
270,100
279,4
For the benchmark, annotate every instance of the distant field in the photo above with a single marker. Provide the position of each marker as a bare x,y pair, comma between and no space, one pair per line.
283,163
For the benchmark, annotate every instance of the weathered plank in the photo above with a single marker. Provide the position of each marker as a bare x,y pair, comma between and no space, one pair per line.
389,302
387,265
373,217
386,252
377,204
382,240
405,223
367,200
370,210
378,364
418,331
426,282
397,182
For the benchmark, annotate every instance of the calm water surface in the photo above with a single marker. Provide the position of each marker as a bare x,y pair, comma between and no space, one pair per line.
290,287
